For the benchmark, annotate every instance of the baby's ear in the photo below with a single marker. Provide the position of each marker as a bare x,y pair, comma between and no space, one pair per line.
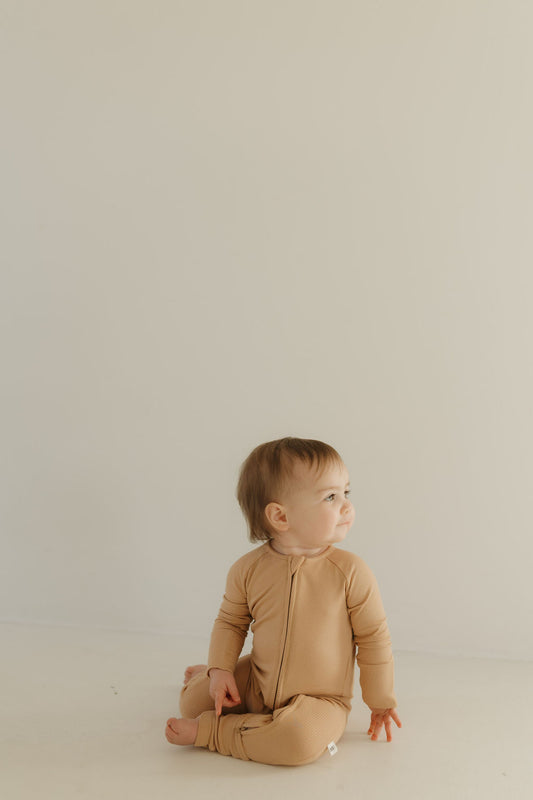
277,517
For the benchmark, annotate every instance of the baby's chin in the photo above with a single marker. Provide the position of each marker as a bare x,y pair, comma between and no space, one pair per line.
340,532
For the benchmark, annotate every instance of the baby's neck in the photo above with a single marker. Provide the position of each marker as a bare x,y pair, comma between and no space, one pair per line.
296,550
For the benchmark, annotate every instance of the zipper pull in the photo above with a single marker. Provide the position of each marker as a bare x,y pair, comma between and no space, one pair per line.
296,563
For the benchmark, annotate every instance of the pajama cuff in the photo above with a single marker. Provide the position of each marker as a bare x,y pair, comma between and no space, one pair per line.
204,729
221,734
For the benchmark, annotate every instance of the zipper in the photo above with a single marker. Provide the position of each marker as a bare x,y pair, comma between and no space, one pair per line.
293,576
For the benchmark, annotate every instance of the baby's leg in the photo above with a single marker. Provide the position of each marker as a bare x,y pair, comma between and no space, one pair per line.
296,734
195,699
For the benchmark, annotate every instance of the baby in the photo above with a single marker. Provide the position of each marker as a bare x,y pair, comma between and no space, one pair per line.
313,609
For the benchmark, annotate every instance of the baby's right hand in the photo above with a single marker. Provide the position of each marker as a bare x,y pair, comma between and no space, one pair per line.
223,689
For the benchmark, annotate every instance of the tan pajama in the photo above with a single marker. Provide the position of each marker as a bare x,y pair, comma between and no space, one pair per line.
310,618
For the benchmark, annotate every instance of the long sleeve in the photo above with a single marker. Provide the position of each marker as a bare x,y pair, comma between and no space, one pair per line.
232,623
371,635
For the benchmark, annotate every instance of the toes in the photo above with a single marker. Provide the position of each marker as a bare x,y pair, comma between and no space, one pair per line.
170,733
192,671
189,673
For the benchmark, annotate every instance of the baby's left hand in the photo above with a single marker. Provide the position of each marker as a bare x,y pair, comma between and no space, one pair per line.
380,717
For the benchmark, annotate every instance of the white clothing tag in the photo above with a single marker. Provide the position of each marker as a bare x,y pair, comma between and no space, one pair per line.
332,747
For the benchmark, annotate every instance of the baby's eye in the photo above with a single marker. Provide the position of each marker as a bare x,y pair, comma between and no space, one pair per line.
332,497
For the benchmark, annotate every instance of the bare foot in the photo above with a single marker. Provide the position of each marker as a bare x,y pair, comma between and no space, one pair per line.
190,672
181,731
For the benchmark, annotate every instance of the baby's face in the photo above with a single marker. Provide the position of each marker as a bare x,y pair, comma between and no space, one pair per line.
317,506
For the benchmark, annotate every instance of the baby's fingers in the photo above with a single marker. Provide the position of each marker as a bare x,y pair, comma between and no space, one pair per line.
377,729
223,698
395,717
219,701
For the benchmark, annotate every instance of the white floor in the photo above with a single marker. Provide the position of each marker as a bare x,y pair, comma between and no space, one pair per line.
83,714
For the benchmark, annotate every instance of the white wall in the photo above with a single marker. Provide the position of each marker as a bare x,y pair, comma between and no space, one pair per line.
225,222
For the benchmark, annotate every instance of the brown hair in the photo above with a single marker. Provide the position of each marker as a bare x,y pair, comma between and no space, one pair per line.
268,469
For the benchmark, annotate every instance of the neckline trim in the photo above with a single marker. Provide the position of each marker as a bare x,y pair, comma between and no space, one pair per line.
275,552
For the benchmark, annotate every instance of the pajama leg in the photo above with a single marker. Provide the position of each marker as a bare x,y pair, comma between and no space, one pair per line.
295,734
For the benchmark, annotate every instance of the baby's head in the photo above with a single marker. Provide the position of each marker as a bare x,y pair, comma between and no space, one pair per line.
267,475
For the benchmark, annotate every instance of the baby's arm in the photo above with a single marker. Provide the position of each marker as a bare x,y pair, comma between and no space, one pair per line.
380,717
374,653
227,639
